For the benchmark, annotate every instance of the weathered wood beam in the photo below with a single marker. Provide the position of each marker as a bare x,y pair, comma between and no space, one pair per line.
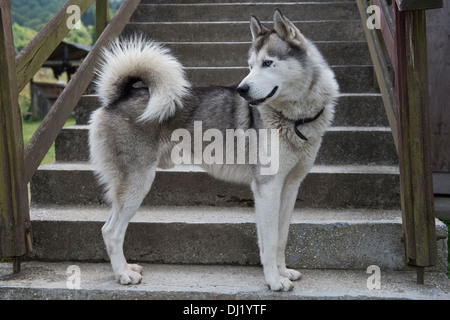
31,58
404,5
386,28
52,124
381,70
15,228
101,16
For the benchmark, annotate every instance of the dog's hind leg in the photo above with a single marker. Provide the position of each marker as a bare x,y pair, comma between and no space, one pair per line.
267,207
125,205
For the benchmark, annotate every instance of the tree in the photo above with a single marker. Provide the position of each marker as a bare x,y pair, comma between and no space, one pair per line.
21,35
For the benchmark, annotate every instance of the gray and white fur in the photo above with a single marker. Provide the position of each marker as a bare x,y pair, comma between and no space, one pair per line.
146,97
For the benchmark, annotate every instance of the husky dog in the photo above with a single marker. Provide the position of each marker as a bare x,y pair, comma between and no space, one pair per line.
146,97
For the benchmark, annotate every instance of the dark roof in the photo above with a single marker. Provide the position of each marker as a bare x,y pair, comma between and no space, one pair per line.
76,51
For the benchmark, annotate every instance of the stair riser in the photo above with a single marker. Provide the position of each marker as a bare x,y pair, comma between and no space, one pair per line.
310,245
313,245
344,30
353,111
318,190
231,54
338,147
351,79
242,12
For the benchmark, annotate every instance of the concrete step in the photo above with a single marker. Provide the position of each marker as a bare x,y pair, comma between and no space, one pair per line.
196,12
353,110
232,54
338,186
341,145
318,238
49,281
238,31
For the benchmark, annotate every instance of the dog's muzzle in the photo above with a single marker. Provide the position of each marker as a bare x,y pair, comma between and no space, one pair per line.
243,90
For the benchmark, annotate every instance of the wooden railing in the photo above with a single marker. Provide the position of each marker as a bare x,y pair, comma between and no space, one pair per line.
398,48
19,163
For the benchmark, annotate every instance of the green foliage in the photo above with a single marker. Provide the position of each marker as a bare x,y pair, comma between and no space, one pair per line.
34,14
22,35
24,102
83,35
29,16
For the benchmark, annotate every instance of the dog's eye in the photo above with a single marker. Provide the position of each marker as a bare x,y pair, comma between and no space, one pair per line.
267,63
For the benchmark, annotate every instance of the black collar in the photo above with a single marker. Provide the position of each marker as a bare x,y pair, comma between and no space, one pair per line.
303,121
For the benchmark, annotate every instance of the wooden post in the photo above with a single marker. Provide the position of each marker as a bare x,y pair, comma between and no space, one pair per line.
15,227
101,16
411,82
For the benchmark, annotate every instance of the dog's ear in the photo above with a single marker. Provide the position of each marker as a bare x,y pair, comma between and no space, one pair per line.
256,27
285,29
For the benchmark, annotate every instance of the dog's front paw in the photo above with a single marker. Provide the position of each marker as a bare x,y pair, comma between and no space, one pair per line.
291,274
131,275
135,267
281,284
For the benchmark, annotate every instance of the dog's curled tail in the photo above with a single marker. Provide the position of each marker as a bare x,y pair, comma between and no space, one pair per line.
137,59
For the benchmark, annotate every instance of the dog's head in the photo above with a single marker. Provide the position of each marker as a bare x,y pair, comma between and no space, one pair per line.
276,60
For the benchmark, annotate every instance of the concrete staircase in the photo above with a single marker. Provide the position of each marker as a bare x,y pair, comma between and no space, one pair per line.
195,235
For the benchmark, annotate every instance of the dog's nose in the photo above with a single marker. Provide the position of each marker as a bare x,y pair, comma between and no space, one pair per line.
243,90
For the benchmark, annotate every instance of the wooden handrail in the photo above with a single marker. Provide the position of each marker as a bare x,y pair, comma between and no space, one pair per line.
52,124
408,114
409,5
381,70
386,27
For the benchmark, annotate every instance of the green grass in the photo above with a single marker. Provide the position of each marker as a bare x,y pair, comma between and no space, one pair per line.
29,127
